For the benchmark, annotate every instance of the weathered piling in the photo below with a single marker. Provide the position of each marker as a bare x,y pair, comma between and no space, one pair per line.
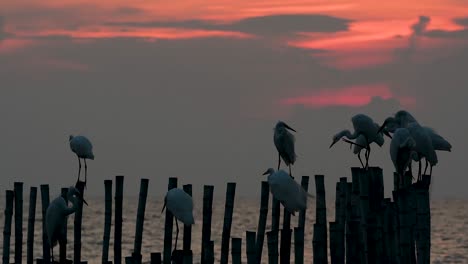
209,252
423,228
155,258
77,224
63,242
298,245
119,181
275,220
250,247
206,226
364,209
262,220
187,228
401,197
352,231
168,227
319,240
18,188
285,244
107,220
299,234
31,220
140,220
272,240
340,219
236,250
9,197
228,210
334,242
45,242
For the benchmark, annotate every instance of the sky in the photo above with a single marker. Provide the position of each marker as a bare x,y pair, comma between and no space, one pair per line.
192,89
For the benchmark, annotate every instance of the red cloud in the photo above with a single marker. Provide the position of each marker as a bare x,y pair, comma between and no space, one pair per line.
353,96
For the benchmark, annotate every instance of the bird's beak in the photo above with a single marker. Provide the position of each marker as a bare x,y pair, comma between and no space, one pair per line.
290,128
383,126
84,201
164,206
265,173
387,133
333,143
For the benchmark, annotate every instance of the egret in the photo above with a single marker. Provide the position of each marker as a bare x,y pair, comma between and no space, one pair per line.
56,216
286,190
363,126
402,150
424,147
284,142
180,204
83,149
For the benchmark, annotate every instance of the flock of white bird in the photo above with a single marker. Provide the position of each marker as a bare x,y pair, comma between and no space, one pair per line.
410,142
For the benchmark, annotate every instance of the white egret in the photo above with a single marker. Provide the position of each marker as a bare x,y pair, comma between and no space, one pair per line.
56,216
363,126
180,204
402,150
83,149
286,190
284,142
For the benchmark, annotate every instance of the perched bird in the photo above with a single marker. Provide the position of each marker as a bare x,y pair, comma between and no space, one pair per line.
180,204
363,126
284,142
423,147
83,149
56,216
360,144
402,150
286,190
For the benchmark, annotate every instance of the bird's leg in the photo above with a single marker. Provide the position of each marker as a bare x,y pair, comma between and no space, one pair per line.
425,169
367,157
360,160
52,254
177,234
419,170
86,171
430,170
79,169
279,160
290,174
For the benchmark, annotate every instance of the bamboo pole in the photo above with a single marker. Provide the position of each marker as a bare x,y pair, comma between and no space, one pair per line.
356,216
10,195
364,180
272,238
168,227
352,249
299,244
424,221
319,240
31,220
140,220
187,228
209,252
236,250
340,219
107,220
45,242
251,250
18,188
229,207
155,258
401,199
77,224
334,242
119,183
275,220
285,244
262,220
207,213
63,242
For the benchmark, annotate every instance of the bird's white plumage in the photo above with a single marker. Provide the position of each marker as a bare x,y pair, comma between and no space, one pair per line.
286,190
82,147
180,204
284,142
423,141
402,149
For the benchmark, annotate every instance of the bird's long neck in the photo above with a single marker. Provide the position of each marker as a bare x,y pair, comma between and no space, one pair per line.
347,133
74,202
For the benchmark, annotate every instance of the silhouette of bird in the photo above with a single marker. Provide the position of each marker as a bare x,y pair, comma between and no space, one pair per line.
56,216
83,149
402,150
180,204
363,126
284,142
286,190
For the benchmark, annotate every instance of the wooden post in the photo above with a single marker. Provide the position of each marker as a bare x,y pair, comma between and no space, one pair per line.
209,252
275,220
351,234
187,228
319,240
401,198
31,220
7,227
364,181
262,220
376,202
236,250
207,212
334,242
340,219
167,253
272,238
18,188
251,252
77,224
229,207
357,251
63,243
45,242
156,258
285,244
140,220
107,220
298,245
424,221
299,235
119,182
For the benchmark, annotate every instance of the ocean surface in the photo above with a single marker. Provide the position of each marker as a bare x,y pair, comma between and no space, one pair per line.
449,228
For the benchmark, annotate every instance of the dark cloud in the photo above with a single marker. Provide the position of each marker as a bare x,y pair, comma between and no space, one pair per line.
129,11
265,25
3,34
456,34
462,21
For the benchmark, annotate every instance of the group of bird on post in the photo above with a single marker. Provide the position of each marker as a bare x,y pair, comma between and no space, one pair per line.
409,142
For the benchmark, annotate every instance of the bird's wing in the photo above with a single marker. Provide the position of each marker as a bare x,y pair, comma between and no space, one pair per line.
82,147
180,204
438,141
284,142
423,141
55,219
